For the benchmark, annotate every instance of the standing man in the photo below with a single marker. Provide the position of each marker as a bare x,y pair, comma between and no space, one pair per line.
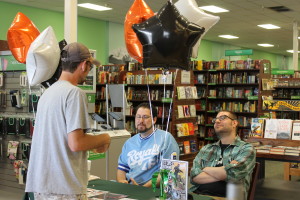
229,159
142,154
58,159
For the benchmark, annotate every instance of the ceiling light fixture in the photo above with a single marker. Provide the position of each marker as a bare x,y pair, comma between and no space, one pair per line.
213,9
291,51
94,6
266,45
228,36
268,26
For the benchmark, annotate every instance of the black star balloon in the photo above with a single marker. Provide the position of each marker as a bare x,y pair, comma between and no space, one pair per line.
167,39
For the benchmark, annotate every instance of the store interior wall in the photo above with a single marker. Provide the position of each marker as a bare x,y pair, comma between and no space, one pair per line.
91,32
105,37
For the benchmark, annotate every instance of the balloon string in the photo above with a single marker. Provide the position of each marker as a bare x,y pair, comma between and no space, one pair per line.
170,108
163,109
149,99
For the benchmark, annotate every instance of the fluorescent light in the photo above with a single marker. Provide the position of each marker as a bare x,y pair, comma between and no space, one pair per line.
291,51
266,45
214,9
94,6
268,26
228,36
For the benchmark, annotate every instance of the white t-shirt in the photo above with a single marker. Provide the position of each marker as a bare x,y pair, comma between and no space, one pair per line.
53,167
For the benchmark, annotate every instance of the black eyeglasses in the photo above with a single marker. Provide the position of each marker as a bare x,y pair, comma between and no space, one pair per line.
142,117
90,64
221,118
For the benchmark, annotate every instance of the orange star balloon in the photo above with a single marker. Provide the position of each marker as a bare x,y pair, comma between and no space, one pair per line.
138,13
20,35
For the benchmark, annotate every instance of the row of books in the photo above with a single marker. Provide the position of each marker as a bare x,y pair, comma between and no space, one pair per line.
101,93
234,78
187,92
275,128
111,68
231,92
278,150
185,129
201,92
188,146
161,111
100,107
200,105
249,106
184,111
155,94
286,83
226,64
150,79
285,93
104,77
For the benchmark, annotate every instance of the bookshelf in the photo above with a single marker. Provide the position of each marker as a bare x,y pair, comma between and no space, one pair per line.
229,85
141,83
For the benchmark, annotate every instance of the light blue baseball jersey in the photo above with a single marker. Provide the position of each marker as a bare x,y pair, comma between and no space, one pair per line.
141,157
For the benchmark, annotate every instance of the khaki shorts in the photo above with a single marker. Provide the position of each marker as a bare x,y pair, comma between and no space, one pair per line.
39,196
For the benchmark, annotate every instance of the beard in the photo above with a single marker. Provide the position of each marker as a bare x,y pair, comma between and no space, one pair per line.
143,129
222,132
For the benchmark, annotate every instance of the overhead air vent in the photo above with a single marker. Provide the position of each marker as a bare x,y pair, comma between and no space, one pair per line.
280,9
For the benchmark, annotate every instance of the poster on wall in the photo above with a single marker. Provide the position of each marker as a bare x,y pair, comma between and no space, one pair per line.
283,105
89,86
9,63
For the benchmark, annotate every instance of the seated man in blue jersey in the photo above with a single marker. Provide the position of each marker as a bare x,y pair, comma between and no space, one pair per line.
229,159
142,154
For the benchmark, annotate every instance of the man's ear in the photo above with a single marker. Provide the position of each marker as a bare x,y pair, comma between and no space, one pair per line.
154,120
83,66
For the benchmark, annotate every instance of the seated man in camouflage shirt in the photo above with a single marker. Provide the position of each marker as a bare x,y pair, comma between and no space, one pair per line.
229,159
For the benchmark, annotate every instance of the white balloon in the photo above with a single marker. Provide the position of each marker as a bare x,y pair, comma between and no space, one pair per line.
42,57
190,10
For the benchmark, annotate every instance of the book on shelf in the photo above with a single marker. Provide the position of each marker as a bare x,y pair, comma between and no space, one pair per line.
193,110
187,147
284,128
191,128
257,127
181,148
271,129
185,77
188,92
186,111
296,130
181,92
180,131
194,92
200,79
180,111
193,145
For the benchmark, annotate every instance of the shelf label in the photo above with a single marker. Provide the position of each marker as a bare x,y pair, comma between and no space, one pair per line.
166,100
211,111
295,97
282,72
238,52
253,98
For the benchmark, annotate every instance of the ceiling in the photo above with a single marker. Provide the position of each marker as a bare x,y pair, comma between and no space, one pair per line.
241,21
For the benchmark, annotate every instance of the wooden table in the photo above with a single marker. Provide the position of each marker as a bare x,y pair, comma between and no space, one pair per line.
261,157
